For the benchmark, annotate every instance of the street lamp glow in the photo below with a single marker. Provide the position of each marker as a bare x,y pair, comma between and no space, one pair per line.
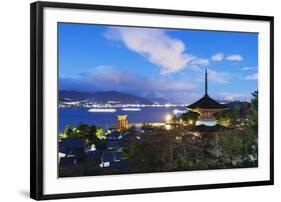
168,117
168,127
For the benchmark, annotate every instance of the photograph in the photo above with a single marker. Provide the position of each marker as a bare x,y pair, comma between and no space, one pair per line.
134,100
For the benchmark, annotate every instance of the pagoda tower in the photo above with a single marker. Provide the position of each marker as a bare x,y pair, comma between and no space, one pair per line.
206,107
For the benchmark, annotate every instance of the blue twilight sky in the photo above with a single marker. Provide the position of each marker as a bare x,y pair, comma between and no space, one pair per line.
158,63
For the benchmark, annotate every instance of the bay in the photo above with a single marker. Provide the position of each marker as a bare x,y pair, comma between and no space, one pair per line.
74,116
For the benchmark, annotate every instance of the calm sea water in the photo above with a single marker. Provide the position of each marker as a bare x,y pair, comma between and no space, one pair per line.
75,116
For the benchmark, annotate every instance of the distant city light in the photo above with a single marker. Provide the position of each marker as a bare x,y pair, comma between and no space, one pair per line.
167,105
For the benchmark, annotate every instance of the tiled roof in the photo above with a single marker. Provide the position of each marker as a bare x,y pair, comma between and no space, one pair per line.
206,102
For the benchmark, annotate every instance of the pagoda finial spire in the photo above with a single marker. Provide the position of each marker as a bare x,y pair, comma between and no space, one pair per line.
206,81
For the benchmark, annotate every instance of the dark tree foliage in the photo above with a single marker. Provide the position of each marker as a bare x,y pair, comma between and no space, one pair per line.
190,116
253,115
90,134
168,151
228,117
180,148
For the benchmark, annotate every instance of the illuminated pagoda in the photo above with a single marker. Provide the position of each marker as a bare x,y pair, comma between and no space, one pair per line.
206,107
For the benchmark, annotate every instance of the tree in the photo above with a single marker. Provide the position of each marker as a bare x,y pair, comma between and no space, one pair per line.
90,134
234,114
69,132
179,149
223,118
251,139
100,134
253,114
190,117
62,136
228,117
83,132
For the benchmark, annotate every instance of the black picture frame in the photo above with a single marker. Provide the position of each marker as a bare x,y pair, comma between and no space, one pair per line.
36,98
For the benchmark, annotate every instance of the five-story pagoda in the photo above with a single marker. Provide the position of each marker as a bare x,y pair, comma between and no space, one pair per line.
206,107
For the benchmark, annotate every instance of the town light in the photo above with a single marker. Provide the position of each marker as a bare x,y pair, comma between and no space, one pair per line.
168,127
196,134
168,117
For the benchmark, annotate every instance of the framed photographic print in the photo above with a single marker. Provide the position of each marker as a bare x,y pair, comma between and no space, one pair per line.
136,100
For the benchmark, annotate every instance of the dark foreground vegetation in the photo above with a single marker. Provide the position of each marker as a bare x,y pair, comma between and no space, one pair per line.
88,150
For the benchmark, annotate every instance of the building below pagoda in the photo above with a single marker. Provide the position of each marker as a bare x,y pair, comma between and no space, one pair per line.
206,107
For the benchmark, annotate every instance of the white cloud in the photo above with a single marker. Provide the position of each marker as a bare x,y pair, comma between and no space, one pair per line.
168,53
232,96
200,61
111,78
235,57
248,68
218,77
217,57
252,77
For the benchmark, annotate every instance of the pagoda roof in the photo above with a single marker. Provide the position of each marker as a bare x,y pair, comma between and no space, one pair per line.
206,102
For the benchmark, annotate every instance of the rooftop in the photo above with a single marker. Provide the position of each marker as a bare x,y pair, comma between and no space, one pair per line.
206,102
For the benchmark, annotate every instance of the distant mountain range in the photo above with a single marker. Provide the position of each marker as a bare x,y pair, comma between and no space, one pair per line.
106,96
238,104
